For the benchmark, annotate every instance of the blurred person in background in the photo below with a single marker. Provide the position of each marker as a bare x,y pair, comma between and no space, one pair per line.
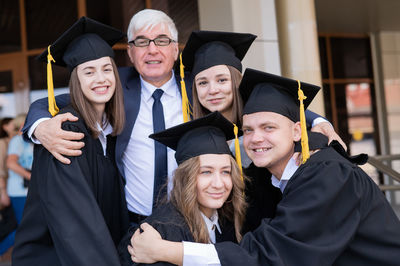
7,131
19,164
17,156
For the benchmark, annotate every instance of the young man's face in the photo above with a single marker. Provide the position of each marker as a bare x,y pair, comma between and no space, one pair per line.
269,138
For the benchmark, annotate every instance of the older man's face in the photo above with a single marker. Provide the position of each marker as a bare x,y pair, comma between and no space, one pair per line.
154,63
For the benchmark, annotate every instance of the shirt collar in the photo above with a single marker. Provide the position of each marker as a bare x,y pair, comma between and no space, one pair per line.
288,172
103,132
212,223
169,88
107,130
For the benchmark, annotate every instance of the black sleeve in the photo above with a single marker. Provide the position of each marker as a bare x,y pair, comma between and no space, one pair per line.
74,219
314,222
168,222
124,256
39,109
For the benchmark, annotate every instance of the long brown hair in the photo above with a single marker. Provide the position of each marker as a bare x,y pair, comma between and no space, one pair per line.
4,122
114,108
237,104
184,197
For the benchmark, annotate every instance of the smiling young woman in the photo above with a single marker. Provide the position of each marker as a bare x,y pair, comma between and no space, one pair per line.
206,204
76,213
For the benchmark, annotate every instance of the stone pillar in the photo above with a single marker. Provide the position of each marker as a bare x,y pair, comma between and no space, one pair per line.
298,43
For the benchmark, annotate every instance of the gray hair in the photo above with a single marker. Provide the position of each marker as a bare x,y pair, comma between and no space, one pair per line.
148,19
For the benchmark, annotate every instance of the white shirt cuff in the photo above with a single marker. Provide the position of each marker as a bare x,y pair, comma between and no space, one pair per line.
318,120
32,129
200,254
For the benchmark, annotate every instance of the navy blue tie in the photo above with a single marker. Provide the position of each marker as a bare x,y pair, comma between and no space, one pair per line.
160,158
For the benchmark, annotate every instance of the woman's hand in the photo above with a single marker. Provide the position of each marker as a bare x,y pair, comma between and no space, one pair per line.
149,247
145,245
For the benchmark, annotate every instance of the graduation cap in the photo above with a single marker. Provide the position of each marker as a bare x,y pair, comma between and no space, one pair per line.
84,41
265,92
206,135
205,49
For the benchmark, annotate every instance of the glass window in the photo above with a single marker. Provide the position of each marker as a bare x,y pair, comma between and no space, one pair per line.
10,28
115,13
351,58
323,57
5,81
186,17
38,75
45,25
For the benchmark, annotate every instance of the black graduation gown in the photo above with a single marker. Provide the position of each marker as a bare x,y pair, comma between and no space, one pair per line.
261,196
74,214
171,225
331,213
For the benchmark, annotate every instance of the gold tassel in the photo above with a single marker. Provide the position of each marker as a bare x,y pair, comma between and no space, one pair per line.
305,150
53,109
185,100
237,150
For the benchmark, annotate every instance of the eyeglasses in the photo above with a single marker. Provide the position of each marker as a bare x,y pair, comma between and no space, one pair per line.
159,41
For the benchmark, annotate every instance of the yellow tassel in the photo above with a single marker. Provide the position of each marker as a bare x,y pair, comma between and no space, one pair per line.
237,150
305,150
185,100
53,109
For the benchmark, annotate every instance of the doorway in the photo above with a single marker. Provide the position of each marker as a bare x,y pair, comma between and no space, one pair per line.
348,83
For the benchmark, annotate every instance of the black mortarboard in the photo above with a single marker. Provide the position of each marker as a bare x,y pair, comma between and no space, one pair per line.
206,135
264,92
205,49
85,40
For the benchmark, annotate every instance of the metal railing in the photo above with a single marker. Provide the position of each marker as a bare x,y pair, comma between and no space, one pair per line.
377,162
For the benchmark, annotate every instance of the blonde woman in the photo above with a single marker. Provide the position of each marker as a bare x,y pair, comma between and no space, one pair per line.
206,204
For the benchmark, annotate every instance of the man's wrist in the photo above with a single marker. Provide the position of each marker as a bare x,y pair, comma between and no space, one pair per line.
319,120
31,131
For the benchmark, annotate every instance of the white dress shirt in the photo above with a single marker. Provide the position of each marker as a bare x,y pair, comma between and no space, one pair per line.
203,254
212,224
138,158
288,172
103,136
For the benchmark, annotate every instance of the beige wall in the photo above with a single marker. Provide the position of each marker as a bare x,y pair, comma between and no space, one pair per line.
252,16
259,17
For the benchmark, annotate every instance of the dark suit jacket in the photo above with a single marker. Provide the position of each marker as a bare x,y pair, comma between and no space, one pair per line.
131,85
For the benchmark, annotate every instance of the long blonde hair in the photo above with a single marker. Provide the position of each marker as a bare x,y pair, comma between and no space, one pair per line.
237,104
184,198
